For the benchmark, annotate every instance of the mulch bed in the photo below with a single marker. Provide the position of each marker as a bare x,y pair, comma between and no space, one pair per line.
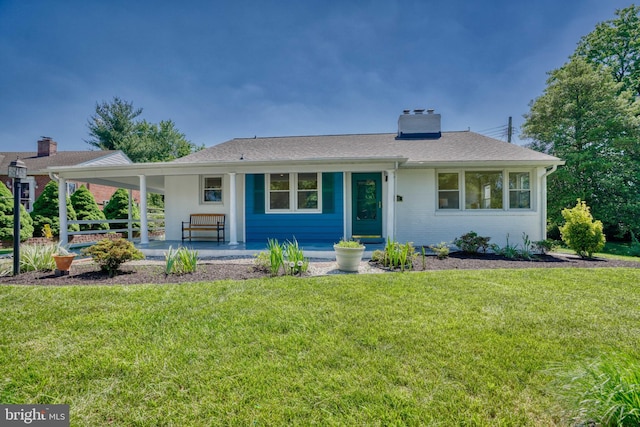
88,273
460,260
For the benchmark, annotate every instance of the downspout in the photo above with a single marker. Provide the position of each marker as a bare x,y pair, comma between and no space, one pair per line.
543,208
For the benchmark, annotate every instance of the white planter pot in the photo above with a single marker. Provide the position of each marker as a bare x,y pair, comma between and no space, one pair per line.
348,258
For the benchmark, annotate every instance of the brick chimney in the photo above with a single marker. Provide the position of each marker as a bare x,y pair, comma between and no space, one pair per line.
47,147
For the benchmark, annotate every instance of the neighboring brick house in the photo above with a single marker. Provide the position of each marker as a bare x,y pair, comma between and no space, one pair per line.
48,156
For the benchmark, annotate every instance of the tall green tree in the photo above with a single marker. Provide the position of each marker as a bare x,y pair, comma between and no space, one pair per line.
6,217
615,44
584,118
116,126
87,209
45,211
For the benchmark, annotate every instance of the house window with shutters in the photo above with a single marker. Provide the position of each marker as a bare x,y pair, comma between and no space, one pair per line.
294,192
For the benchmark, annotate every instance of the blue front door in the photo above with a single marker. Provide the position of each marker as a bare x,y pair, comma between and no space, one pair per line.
367,206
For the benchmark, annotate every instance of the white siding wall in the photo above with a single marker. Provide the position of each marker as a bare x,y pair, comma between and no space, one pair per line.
182,197
418,220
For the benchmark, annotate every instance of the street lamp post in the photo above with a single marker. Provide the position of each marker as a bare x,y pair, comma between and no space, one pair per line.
17,171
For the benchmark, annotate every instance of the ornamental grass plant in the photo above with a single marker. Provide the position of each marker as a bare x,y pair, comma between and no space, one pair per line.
605,391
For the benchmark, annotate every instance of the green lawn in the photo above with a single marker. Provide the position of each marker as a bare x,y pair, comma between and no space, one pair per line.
436,348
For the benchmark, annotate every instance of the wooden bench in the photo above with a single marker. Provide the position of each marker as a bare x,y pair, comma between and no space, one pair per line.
204,222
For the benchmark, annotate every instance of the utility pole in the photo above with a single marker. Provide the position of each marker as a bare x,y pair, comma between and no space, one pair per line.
509,130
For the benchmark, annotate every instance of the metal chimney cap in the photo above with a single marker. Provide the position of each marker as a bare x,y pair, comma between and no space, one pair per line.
419,111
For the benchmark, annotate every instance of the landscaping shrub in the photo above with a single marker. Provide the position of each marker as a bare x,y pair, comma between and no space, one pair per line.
110,254
6,217
180,261
441,250
287,257
396,255
45,211
580,232
87,209
544,246
37,257
296,263
118,208
510,251
471,243
276,256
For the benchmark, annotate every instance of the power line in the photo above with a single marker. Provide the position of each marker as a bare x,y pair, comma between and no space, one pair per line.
503,132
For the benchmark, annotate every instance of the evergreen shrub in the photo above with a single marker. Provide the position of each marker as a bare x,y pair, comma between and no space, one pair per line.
45,211
581,232
110,254
6,217
87,209
118,208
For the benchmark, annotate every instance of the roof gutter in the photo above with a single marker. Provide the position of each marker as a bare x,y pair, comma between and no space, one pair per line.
543,208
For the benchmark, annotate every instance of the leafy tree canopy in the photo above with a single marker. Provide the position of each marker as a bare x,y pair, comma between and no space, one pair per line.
116,126
615,44
584,118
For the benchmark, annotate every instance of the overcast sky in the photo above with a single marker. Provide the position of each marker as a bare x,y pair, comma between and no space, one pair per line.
226,69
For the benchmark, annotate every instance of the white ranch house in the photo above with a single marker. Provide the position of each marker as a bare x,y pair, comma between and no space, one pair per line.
418,184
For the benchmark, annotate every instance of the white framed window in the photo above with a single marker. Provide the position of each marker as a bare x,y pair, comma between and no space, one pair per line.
519,190
484,189
71,187
294,192
211,189
448,190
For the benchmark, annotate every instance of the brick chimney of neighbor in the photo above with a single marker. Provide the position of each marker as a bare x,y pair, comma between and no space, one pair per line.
47,147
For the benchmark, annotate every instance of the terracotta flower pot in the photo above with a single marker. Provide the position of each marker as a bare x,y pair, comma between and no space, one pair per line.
63,263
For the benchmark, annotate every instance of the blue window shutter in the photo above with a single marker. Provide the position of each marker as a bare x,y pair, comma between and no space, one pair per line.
258,193
328,192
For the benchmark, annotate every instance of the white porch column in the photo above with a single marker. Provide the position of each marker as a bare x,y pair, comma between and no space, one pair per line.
233,210
62,211
391,204
130,217
144,225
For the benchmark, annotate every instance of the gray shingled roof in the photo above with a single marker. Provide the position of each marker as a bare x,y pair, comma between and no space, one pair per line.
37,165
462,146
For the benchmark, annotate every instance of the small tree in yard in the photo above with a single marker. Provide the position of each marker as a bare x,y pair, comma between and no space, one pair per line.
110,254
87,209
45,211
580,232
6,217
